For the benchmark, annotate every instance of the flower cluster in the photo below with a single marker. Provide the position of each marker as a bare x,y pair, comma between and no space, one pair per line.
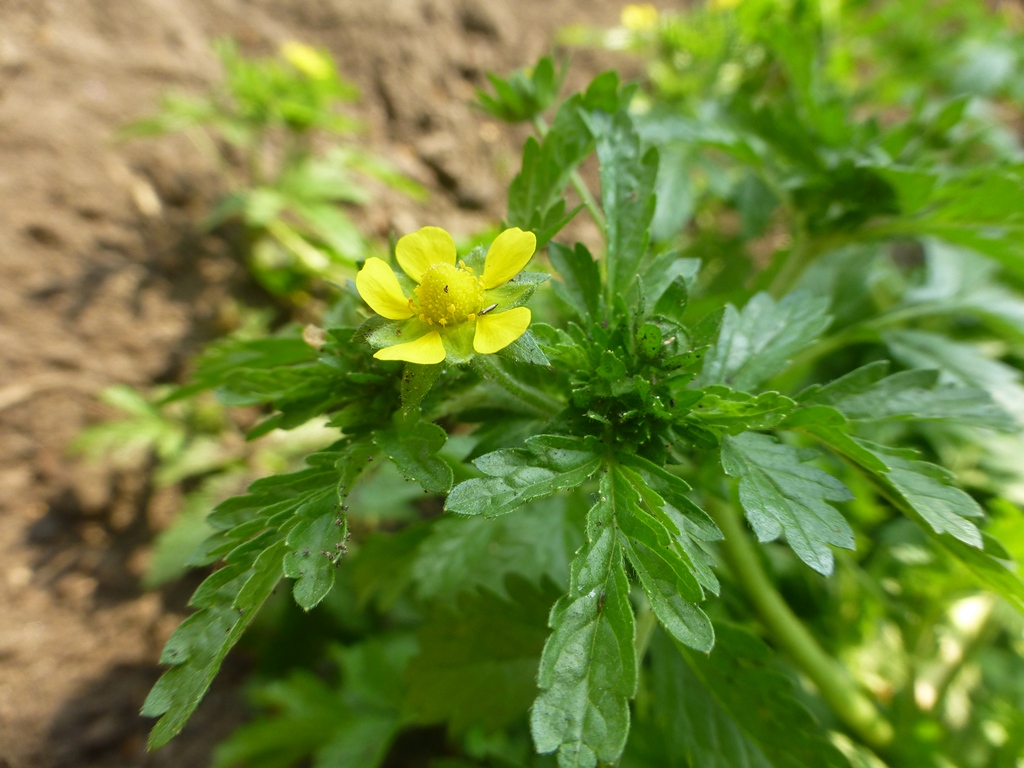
448,311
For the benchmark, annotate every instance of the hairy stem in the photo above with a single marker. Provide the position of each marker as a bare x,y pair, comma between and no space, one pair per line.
540,402
846,700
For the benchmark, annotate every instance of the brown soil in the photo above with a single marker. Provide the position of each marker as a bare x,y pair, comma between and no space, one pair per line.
105,277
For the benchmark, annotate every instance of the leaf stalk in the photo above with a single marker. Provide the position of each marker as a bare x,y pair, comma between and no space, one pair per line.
836,687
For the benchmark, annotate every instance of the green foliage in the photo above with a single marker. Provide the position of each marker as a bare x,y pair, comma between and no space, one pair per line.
694,714
348,724
290,197
588,669
800,313
478,660
525,95
780,494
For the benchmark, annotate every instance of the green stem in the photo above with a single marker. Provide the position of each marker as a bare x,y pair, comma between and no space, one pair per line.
840,692
586,197
540,402
646,622
799,256
802,254
311,257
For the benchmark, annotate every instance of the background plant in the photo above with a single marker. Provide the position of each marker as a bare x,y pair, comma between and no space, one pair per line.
804,312
281,140
288,156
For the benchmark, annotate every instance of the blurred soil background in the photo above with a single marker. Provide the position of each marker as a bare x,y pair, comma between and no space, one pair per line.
106,276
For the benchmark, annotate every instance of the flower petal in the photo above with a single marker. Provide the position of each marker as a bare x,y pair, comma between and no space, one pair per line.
497,331
426,350
507,255
419,250
378,285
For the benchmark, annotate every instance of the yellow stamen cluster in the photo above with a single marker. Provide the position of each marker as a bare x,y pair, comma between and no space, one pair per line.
448,295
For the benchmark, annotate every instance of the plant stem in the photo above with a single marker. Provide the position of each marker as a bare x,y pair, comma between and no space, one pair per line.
646,622
846,700
540,402
793,266
586,197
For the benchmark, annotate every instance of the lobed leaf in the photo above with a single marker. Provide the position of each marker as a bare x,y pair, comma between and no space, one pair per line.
477,662
963,364
757,342
515,476
588,669
413,447
627,194
779,493
697,715
925,492
867,394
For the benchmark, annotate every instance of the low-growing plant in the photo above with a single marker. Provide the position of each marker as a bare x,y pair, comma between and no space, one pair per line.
800,325
287,152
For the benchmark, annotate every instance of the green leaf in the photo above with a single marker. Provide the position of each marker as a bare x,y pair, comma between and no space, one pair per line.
961,281
477,664
989,566
697,716
219,361
757,342
463,553
548,463
317,547
959,363
981,208
524,95
867,394
627,194
925,493
671,304
780,493
525,350
667,579
724,411
254,529
534,196
413,447
416,383
198,646
580,287
664,272
588,669
688,524
303,716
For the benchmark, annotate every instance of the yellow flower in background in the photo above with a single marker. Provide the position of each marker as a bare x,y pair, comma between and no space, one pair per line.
639,18
308,60
452,312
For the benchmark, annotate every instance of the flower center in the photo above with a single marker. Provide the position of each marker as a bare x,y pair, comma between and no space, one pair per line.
449,295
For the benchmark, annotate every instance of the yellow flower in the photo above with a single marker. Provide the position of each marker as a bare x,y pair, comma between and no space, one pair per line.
314,64
639,18
451,312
